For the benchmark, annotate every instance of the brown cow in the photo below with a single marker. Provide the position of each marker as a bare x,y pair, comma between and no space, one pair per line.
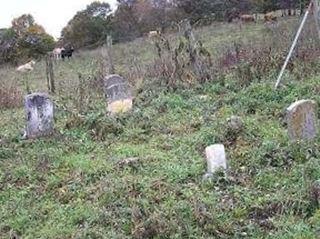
269,17
247,18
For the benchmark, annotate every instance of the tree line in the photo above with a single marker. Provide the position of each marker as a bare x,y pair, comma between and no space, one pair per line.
135,18
132,18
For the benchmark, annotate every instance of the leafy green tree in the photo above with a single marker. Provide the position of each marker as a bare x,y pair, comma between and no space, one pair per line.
34,42
88,27
24,40
125,23
21,24
197,10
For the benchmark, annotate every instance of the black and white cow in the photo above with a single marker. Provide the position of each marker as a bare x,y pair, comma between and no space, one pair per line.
67,52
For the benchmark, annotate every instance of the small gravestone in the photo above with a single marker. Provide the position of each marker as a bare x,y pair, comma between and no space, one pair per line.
39,113
302,120
216,159
118,94
235,123
315,192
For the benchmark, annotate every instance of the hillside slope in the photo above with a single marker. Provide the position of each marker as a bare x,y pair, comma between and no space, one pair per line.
140,174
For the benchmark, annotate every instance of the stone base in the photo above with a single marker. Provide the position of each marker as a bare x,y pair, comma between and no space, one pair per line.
207,176
120,106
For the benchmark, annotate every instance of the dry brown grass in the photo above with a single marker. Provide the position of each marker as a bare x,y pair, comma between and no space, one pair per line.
10,97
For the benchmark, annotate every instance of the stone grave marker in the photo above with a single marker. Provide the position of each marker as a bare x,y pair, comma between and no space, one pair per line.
216,159
235,123
118,94
39,114
302,120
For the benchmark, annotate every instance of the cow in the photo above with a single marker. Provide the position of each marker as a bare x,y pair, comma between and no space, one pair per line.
269,17
247,18
67,52
26,67
57,52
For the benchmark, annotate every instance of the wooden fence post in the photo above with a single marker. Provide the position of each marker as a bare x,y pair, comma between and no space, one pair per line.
49,73
107,58
109,54
81,93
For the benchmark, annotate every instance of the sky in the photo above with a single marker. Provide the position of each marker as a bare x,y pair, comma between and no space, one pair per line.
53,15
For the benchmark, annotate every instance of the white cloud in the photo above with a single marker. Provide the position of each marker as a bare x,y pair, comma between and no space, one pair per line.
52,15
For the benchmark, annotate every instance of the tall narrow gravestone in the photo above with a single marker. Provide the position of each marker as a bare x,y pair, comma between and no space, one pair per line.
302,120
39,113
118,94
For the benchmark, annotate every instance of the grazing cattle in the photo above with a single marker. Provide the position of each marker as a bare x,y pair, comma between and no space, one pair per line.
67,53
153,34
57,53
269,17
247,18
26,67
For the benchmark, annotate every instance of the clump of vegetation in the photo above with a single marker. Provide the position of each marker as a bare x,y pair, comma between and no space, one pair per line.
10,96
188,62
72,184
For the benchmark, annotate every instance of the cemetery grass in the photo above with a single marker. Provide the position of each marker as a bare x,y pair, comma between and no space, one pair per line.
140,174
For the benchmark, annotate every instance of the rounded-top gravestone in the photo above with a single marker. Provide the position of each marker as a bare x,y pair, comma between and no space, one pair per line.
118,94
39,114
235,123
302,120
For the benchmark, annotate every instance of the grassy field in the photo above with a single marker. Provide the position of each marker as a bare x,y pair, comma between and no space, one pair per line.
140,174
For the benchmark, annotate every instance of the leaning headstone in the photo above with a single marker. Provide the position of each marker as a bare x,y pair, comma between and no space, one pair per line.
216,159
39,114
118,93
302,120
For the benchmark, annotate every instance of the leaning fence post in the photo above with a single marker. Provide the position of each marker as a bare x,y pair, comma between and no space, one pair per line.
81,93
107,60
49,73
109,55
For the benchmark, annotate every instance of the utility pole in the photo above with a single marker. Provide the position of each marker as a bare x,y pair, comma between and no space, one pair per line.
295,41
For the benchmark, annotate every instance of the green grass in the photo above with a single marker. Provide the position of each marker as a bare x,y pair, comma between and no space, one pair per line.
75,184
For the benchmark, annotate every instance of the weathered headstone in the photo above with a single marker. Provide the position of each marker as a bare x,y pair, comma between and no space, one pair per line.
118,93
39,113
315,192
216,159
302,120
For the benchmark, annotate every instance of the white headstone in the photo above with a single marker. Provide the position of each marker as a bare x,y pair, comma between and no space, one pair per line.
118,93
39,114
216,158
302,120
